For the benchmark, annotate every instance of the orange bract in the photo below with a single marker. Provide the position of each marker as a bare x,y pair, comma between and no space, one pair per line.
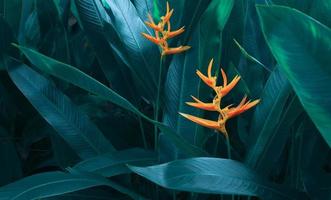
222,90
162,35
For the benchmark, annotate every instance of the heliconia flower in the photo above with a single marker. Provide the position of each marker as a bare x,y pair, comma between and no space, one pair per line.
179,49
208,80
203,122
172,34
225,89
162,35
204,106
242,107
151,38
226,112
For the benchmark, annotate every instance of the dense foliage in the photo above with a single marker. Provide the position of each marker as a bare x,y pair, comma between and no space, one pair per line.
90,110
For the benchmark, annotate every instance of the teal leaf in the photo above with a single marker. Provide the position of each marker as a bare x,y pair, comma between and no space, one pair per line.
143,55
93,18
72,125
50,184
267,116
84,81
214,176
11,168
301,46
112,164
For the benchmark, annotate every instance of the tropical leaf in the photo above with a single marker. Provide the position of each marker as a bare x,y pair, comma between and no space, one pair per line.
93,17
112,164
57,109
11,168
304,60
214,176
50,184
143,57
78,78
216,15
267,116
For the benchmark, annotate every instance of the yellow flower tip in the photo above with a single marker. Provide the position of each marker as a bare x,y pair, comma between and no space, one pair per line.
203,122
168,7
196,99
210,65
151,38
225,79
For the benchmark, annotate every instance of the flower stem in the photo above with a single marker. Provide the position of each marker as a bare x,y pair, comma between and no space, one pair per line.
228,146
157,105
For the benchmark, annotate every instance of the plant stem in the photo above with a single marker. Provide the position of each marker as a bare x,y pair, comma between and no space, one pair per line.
157,105
228,146
141,126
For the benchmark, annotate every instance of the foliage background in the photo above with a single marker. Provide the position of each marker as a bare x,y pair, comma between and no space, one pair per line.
78,86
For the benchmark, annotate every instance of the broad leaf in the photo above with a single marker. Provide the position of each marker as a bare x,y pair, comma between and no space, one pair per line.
267,116
143,56
78,78
301,46
215,176
72,125
11,168
50,184
112,164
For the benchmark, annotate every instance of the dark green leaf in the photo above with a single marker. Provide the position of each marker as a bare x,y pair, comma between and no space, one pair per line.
78,78
57,109
301,46
112,164
213,175
267,116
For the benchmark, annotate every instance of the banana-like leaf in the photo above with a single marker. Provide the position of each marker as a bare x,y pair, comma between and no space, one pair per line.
71,124
11,168
216,15
78,78
143,56
112,164
301,46
267,116
50,184
93,18
181,82
214,176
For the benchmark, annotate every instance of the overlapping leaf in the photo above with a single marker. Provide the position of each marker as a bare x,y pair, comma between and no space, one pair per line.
57,109
215,176
301,46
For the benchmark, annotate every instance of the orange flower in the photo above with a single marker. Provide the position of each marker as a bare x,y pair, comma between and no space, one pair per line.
162,35
225,113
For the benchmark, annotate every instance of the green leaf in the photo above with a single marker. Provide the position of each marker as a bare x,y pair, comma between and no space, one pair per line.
46,185
267,116
72,125
301,46
11,13
216,16
143,56
93,18
112,164
214,176
78,78
50,184
11,168
181,82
